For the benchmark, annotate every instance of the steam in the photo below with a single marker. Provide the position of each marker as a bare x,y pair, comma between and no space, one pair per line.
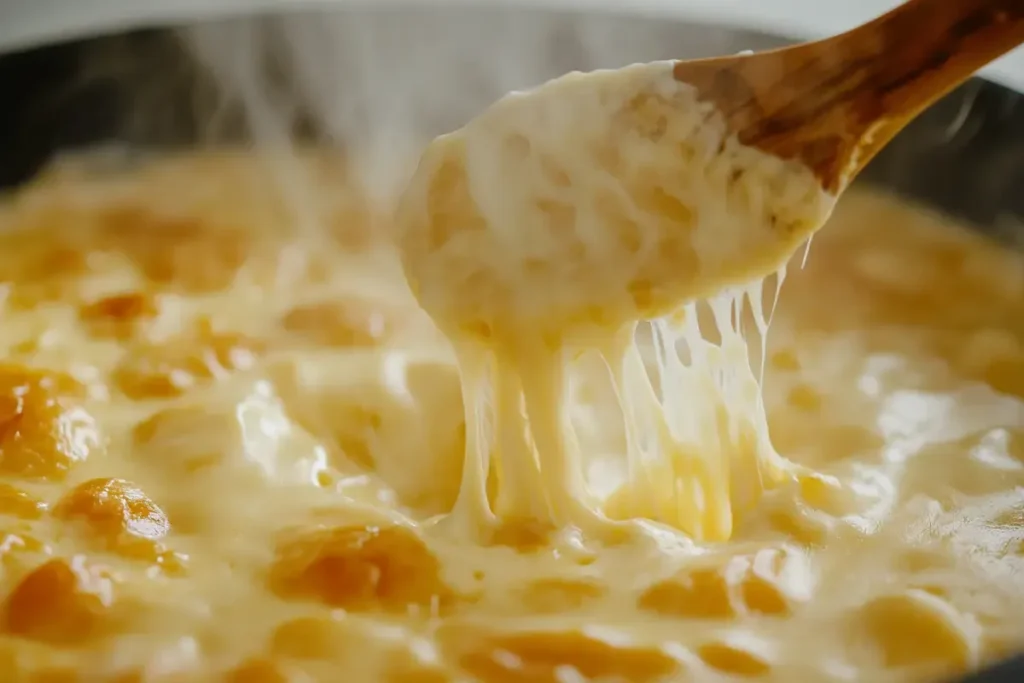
380,84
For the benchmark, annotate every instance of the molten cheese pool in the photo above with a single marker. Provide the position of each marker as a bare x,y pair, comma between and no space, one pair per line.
234,448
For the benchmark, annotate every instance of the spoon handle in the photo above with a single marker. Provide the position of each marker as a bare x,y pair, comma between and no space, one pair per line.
833,104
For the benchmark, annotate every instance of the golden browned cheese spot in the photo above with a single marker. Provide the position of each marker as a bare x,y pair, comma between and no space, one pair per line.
640,290
121,516
347,323
544,657
40,269
912,628
762,596
60,602
762,589
113,507
1005,375
701,594
257,670
733,660
43,433
18,503
118,316
746,584
319,637
178,253
551,596
170,369
360,568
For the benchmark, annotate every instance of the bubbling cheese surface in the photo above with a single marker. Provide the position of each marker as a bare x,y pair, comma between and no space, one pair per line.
546,229
225,435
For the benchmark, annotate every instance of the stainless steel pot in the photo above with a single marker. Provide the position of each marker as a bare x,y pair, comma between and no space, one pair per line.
420,72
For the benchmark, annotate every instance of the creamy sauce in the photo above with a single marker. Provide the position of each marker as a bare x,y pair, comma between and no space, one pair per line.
289,425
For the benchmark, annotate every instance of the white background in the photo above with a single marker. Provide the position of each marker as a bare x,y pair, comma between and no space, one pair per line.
26,22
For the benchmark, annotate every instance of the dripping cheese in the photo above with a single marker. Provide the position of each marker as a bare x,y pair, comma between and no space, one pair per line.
547,228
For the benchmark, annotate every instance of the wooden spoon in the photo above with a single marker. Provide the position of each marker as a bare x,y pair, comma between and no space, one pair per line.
834,103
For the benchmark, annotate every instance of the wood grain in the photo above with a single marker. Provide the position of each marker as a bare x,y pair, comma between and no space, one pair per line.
833,104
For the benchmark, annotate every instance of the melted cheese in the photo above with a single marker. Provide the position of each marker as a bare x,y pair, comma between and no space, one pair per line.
550,225
224,438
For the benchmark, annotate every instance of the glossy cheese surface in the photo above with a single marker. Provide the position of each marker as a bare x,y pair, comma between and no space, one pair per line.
227,430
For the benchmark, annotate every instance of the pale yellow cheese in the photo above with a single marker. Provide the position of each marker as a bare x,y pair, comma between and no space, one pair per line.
288,426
